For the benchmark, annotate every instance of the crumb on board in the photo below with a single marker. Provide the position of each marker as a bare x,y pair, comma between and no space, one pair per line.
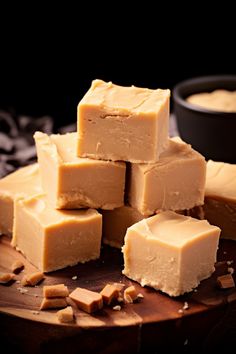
230,270
22,290
75,277
116,308
32,279
6,277
65,315
225,281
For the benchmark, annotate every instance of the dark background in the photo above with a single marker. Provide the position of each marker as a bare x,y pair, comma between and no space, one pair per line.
45,68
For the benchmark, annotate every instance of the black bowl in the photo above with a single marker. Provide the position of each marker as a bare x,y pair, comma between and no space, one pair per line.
212,133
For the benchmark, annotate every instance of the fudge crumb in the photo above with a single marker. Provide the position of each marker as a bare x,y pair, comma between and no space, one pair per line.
140,296
186,306
22,290
180,311
225,281
58,290
74,277
224,252
120,299
130,294
195,290
229,262
116,308
32,279
230,270
6,277
35,312
18,282
66,315
110,293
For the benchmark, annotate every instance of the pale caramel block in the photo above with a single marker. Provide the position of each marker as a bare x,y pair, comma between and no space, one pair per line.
6,277
87,300
115,223
220,197
32,279
71,182
110,293
53,303
53,239
123,123
24,182
170,252
17,266
175,182
58,290
65,315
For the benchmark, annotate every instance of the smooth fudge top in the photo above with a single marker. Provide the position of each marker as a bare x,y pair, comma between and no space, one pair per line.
221,180
177,150
63,149
39,207
124,99
24,181
173,229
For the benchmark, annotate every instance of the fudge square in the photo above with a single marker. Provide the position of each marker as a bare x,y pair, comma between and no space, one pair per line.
123,123
175,182
52,239
24,182
115,223
170,252
220,197
71,182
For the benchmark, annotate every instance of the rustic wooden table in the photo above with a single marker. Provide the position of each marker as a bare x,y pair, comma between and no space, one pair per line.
152,325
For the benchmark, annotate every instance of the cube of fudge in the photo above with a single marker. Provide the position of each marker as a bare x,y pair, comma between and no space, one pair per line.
220,197
175,182
24,182
52,239
170,252
123,123
71,182
115,223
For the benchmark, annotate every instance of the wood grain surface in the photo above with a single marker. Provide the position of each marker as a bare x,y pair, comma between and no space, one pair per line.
153,322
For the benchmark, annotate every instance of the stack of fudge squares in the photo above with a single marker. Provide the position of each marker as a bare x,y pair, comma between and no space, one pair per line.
119,179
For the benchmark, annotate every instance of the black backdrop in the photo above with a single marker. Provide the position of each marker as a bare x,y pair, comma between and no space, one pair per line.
47,72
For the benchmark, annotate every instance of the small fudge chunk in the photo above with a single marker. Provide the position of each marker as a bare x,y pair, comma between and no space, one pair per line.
71,182
220,197
87,300
54,303
110,293
175,182
130,294
225,281
17,266
65,315
53,239
6,277
24,182
170,252
123,123
115,223
58,290
32,279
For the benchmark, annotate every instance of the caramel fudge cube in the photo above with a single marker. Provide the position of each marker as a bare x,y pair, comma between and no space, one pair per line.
87,300
170,252
53,239
71,182
175,182
115,223
123,123
220,197
24,182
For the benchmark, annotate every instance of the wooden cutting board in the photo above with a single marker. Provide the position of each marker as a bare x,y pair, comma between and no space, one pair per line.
154,322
